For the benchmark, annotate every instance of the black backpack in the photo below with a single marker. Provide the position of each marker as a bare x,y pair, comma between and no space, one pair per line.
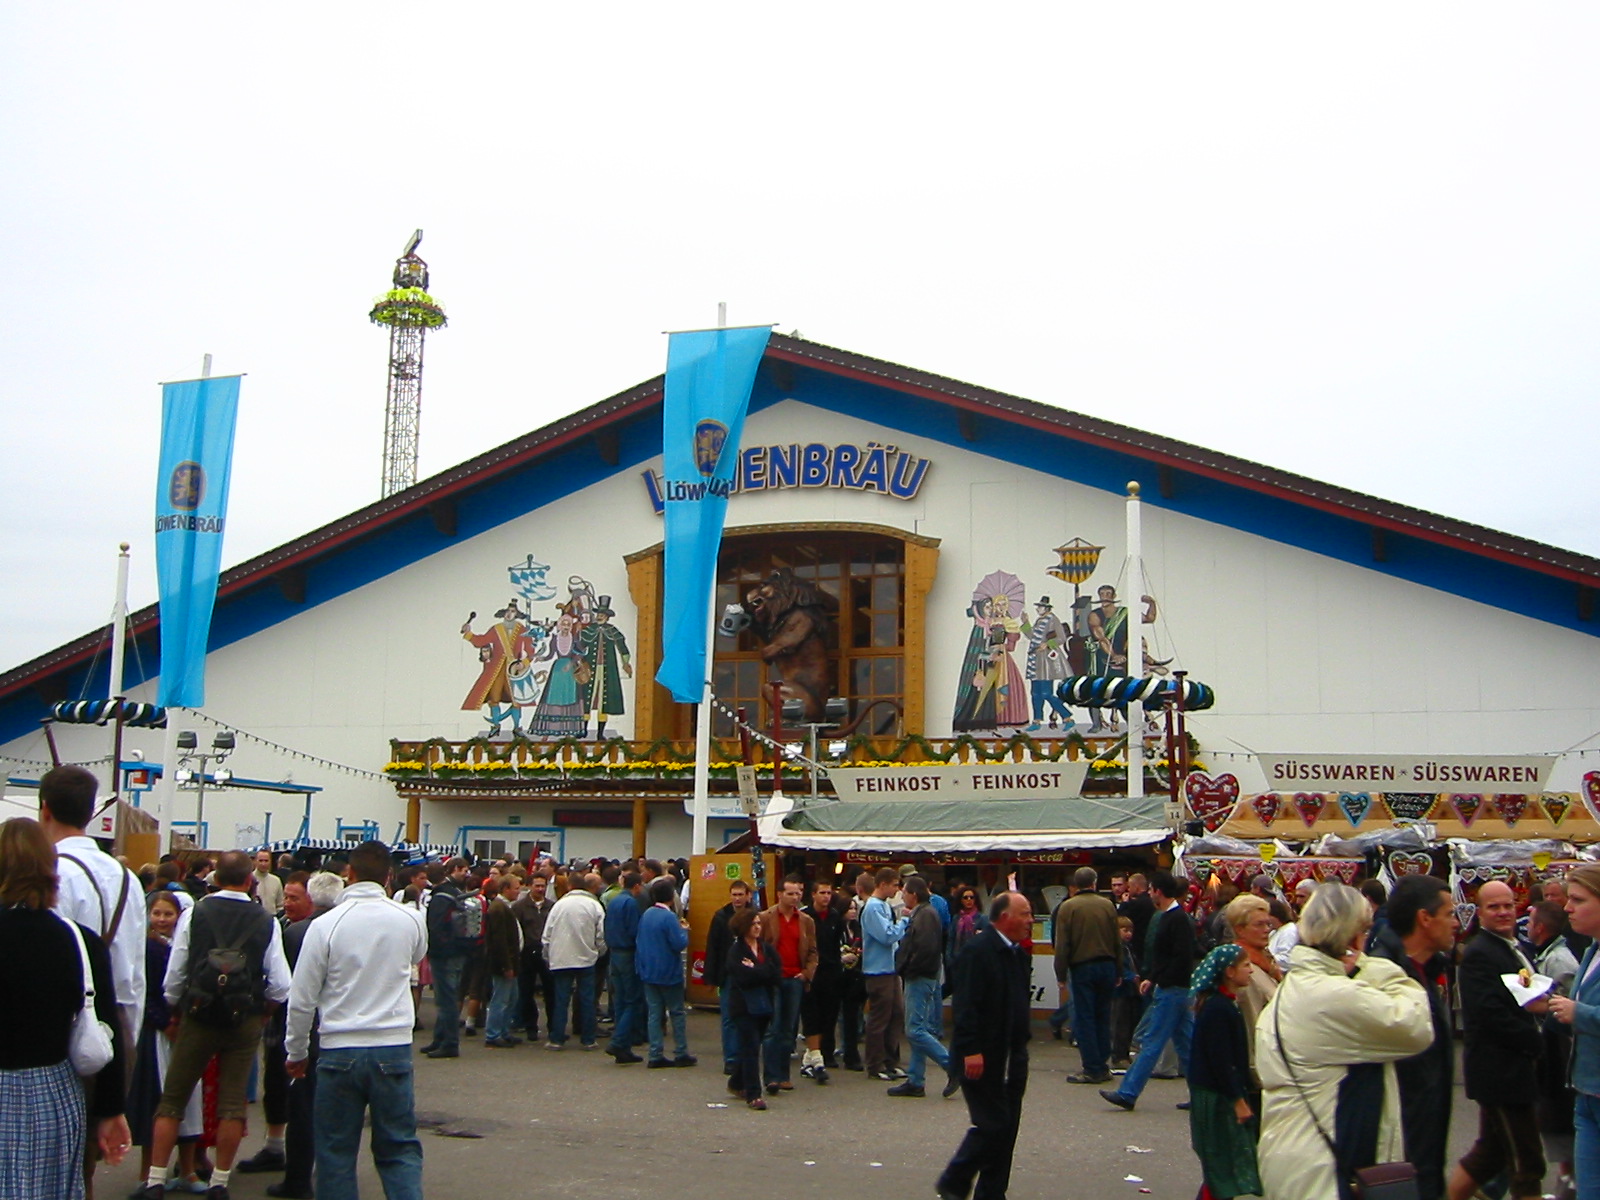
225,985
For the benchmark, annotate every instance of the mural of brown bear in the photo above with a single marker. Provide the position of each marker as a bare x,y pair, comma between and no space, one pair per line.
792,618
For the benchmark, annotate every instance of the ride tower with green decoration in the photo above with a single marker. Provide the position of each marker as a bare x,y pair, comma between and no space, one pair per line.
409,312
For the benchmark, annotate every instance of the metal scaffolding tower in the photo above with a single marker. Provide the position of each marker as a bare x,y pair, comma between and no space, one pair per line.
409,312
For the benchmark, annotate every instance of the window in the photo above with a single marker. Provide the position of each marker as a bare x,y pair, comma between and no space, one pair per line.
488,848
865,573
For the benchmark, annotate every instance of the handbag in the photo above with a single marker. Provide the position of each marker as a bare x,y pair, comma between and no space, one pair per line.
1381,1181
90,1048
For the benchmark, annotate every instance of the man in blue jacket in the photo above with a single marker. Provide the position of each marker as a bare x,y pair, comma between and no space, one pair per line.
886,1006
627,995
658,958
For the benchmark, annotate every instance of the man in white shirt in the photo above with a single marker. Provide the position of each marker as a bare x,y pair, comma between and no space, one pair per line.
269,888
96,890
1287,938
574,939
355,969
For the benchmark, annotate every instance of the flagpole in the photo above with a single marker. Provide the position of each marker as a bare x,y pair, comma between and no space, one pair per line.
702,723
1135,641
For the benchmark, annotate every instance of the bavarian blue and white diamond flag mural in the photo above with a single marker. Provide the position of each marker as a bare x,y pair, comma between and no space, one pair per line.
197,419
710,374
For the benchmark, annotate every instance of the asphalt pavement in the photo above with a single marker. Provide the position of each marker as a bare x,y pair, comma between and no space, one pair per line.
529,1121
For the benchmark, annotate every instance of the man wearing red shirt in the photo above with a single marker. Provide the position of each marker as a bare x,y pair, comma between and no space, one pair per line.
794,936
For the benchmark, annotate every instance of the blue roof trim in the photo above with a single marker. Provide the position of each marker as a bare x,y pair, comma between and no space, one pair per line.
580,463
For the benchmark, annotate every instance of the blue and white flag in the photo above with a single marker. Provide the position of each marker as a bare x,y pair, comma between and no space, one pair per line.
709,376
197,418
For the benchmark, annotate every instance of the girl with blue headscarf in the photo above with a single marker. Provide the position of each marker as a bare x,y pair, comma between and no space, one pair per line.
1222,1125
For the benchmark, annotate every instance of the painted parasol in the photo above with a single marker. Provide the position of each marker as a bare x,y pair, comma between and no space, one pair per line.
1000,583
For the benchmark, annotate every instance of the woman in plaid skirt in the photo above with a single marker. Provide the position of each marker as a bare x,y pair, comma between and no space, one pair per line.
42,1108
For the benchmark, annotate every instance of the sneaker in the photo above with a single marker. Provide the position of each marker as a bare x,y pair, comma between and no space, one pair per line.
442,1053
656,1064
499,1043
1090,1077
886,1076
265,1159
897,1072
555,1045
428,1049
912,1090
685,1060
820,1074
590,1046
470,1031
1116,1098
772,1089
758,1104
807,1072
624,1056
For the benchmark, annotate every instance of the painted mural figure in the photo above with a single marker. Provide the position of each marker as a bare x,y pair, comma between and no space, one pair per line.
560,710
1108,642
505,648
604,650
990,692
1047,665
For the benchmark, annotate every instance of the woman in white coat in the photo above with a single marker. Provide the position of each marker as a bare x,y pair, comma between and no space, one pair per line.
1324,1049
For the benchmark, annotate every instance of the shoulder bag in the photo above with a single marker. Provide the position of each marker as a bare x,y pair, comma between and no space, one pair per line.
1381,1181
90,1048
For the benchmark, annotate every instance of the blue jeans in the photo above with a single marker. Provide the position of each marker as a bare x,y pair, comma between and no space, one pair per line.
924,1024
1044,692
1586,1158
352,1082
781,1033
447,1000
730,1030
1092,985
505,1003
665,1000
1169,1019
566,979
627,1003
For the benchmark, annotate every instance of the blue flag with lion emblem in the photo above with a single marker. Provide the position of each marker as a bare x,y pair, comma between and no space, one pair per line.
197,418
709,376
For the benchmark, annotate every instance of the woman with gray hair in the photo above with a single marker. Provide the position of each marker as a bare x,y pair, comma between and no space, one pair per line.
1325,1046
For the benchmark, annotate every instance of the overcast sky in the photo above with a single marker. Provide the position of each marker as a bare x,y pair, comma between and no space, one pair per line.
1356,241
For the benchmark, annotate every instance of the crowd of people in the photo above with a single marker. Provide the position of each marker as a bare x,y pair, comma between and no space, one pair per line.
1316,1030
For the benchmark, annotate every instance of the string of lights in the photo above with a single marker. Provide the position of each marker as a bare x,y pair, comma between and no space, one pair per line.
280,748
47,764
792,753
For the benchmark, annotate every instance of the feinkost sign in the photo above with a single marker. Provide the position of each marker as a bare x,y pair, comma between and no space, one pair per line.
961,781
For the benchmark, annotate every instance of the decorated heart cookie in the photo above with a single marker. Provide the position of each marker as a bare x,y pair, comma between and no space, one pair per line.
1591,789
1267,806
1410,806
1211,800
1465,913
1557,805
1355,806
1410,862
1467,808
1510,808
1309,806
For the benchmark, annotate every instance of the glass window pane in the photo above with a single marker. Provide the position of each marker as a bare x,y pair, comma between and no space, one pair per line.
885,592
886,676
885,630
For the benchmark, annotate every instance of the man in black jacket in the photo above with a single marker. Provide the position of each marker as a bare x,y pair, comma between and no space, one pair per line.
989,1044
718,941
1169,956
1501,1056
447,957
1420,933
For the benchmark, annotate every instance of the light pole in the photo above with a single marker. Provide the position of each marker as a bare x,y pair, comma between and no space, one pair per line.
222,745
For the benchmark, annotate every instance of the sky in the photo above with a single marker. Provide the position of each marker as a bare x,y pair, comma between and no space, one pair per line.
1357,242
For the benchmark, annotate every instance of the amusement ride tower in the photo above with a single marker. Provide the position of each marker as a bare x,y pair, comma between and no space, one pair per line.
409,312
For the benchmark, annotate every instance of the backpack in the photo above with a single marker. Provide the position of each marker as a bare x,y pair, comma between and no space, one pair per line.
223,991
466,918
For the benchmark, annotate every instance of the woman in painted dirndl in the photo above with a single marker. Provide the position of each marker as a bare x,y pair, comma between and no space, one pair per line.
560,711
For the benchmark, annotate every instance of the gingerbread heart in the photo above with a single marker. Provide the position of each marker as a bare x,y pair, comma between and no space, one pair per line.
1467,808
1557,805
1410,806
1199,870
1468,874
1211,800
1510,808
1409,862
1465,913
1591,789
1267,806
1309,806
1355,806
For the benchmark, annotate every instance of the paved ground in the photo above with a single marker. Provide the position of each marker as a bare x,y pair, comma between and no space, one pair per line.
578,1124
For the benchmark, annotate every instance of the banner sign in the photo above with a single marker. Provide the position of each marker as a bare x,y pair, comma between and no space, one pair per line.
960,781
875,467
709,376
197,419
1399,772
